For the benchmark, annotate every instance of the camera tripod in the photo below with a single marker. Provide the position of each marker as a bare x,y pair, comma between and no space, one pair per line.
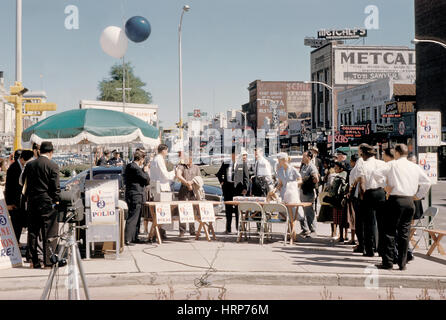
70,250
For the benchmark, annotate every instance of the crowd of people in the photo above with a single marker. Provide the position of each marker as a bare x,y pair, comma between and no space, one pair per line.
375,199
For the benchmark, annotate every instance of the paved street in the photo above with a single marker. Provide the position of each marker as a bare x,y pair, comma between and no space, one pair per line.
273,271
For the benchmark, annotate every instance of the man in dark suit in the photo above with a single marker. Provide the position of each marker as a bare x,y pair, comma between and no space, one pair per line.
42,189
13,191
234,179
102,161
135,181
116,159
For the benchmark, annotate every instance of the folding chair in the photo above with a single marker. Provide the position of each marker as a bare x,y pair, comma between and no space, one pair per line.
248,212
274,213
429,212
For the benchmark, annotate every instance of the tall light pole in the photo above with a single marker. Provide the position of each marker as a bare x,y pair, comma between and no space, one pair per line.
186,8
332,113
415,41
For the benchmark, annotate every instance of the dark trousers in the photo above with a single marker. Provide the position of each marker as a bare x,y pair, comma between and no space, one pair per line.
359,225
374,201
134,203
19,221
43,219
228,193
398,218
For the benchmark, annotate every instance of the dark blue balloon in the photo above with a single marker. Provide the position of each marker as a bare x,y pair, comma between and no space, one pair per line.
137,29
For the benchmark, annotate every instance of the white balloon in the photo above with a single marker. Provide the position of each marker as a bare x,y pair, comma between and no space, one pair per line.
114,42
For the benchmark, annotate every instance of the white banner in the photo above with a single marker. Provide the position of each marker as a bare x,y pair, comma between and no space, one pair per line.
429,163
207,212
363,65
186,211
163,213
10,255
429,128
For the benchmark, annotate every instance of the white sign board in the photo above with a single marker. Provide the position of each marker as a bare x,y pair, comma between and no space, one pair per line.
186,211
103,202
10,255
429,163
163,213
207,212
355,66
429,128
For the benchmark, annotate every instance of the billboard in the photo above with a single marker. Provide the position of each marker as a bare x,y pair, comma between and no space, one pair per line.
354,66
347,34
277,99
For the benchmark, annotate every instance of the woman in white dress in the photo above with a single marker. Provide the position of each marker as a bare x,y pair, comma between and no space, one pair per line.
289,181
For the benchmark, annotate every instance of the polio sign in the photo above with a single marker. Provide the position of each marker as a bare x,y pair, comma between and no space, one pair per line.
10,255
429,128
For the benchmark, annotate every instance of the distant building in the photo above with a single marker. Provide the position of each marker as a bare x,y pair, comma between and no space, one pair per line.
345,66
146,112
373,113
7,117
36,97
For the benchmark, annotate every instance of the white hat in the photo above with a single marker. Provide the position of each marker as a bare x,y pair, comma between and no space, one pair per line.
244,152
282,155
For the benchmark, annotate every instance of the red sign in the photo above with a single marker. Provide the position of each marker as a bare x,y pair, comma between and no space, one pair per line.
197,113
338,139
355,131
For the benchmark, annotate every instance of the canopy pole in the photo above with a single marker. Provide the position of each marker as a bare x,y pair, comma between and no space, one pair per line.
91,163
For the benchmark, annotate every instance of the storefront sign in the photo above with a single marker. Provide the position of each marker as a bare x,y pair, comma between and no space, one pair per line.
384,128
10,255
207,212
362,65
429,163
401,128
355,131
163,213
391,110
338,139
347,33
429,128
186,211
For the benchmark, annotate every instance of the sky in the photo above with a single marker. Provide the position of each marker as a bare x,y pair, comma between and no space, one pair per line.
226,45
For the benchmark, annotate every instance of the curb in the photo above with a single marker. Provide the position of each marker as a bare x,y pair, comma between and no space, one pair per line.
222,278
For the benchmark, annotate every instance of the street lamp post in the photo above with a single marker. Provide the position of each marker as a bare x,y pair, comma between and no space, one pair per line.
415,41
186,8
332,113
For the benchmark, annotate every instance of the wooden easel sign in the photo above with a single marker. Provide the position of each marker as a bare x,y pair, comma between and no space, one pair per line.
186,211
10,255
207,212
163,213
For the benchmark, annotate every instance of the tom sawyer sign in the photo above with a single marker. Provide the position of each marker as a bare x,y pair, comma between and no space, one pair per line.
10,255
359,65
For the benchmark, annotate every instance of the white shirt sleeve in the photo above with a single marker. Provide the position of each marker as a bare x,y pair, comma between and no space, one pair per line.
169,175
424,184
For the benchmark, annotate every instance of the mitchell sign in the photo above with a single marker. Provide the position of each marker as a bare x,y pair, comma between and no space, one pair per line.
358,65
347,33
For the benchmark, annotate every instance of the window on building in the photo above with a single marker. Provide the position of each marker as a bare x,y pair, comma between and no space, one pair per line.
358,116
367,113
380,119
321,113
363,115
363,97
350,118
375,115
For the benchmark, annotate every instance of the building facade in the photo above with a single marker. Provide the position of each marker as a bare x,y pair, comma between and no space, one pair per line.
344,66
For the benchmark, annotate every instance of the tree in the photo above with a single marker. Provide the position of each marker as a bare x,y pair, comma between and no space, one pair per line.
107,87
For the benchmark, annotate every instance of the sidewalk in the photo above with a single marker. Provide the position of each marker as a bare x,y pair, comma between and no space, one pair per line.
309,262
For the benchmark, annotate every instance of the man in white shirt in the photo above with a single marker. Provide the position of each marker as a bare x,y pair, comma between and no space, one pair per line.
262,181
407,182
373,201
158,172
355,163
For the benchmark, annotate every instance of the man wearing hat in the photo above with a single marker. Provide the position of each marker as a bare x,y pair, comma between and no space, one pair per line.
341,156
42,188
116,160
